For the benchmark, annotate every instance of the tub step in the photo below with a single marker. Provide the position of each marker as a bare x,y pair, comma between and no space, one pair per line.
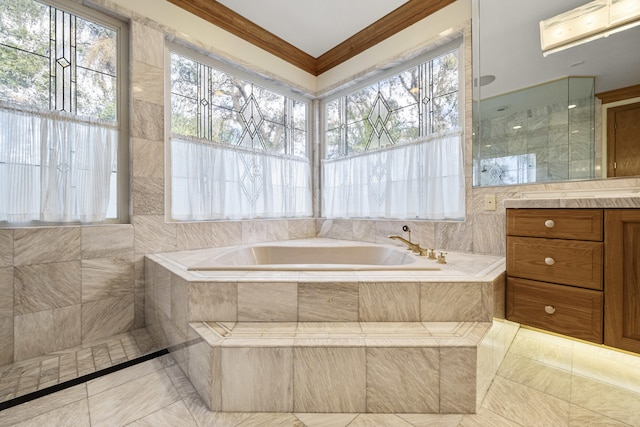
386,367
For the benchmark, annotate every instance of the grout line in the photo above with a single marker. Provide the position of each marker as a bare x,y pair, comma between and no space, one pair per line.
76,381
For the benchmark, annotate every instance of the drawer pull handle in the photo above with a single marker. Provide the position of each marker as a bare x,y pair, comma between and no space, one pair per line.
549,309
549,223
549,261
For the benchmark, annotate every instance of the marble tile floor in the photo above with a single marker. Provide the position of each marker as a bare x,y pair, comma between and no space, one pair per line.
544,380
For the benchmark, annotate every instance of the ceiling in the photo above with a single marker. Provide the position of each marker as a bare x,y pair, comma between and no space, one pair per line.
314,27
314,35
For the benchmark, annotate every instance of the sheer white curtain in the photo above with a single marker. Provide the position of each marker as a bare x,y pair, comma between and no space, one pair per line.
211,181
54,167
422,180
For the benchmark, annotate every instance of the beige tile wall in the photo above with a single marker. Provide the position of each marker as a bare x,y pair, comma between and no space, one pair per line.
60,286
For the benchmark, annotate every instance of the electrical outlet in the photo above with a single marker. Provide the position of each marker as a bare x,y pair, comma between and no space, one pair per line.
490,202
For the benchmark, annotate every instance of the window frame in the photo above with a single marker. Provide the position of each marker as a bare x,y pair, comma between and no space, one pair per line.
430,54
211,60
121,28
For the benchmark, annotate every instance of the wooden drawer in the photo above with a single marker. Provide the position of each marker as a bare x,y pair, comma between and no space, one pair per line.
576,224
561,309
568,262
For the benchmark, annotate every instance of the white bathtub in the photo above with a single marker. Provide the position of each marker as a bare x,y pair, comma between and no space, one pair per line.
307,256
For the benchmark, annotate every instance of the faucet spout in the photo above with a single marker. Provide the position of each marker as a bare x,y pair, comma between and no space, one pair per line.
413,246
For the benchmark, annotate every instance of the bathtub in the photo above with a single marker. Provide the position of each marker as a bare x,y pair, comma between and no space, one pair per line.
317,255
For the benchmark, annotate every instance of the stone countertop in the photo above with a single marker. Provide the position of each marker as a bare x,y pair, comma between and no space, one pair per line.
577,202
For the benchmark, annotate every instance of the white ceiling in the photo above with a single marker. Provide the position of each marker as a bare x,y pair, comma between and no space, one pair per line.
313,26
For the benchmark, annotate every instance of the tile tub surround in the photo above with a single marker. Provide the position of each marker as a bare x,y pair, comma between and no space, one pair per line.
335,313
335,367
462,290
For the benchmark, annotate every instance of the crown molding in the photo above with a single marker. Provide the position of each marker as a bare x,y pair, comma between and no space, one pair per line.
619,94
396,21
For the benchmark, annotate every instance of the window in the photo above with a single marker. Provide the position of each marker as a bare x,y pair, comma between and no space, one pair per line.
61,70
238,149
394,149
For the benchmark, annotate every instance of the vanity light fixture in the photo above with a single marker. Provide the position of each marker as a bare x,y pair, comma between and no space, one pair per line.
594,20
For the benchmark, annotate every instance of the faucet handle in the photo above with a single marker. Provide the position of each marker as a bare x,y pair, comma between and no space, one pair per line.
441,259
432,254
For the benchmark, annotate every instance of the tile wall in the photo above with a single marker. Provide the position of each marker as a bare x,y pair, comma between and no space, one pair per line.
61,286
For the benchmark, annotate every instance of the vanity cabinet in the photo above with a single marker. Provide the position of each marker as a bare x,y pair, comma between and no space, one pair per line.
622,279
576,272
555,270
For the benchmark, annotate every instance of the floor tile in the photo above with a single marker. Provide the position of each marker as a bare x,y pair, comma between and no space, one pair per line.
42,405
175,414
523,404
74,414
539,376
132,400
613,402
326,420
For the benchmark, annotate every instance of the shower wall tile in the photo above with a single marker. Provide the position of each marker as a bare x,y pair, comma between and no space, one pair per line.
107,277
6,248
40,287
389,302
194,235
453,302
268,302
147,158
405,380
328,302
147,196
44,245
153,235
458,380
46,331
106,317
248,372
147,82
329,379
213,302
103,241
138,310
6,292
6,338
148,44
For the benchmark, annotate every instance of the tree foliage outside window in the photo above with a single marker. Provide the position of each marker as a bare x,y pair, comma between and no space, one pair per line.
58,60
238,149
60,73
217,106
412,104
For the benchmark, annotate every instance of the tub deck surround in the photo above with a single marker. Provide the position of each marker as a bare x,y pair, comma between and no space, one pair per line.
327,340
377,367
